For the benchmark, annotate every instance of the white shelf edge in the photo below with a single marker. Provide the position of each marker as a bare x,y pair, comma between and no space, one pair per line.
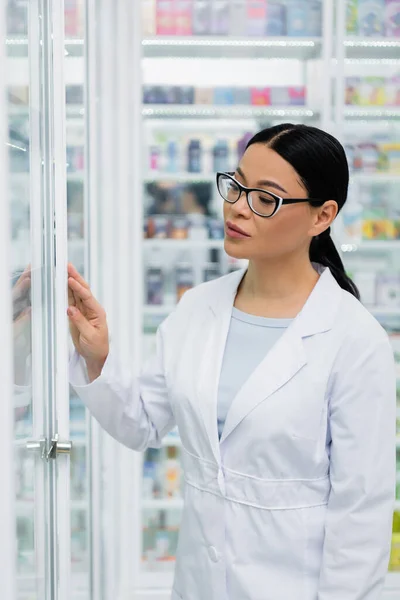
162,504
372,112
380,245
371,42
183,176
376,177
227,41
200,110
158,309
384,310
182,244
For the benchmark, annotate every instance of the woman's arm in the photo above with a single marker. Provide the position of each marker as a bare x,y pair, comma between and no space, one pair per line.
136,413
362,472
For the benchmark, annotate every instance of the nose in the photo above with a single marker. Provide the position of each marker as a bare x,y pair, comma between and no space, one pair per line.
241,206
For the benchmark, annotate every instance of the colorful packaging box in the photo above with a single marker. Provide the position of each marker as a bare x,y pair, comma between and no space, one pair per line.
256,17
352,17
297,96
223,96
201,17
149,17
297,18
352,91
276,19
183,17
375,223
372,91
165,17
237,17
314,20
371,20
220,17
260,96
204,96
392,18
392,88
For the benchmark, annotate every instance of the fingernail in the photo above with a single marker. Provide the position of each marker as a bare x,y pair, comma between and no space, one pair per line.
71,311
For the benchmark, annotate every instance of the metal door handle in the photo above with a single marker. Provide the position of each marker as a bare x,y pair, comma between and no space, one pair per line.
37,446
56,447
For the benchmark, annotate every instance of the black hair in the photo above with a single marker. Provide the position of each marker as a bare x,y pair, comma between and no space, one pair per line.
320,161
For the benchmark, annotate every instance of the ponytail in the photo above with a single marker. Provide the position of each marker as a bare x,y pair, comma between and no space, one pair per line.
324,252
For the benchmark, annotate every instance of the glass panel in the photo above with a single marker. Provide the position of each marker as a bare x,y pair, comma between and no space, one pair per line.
29,318
76,199
371,220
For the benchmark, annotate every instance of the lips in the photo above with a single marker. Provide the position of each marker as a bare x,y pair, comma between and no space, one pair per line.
234,229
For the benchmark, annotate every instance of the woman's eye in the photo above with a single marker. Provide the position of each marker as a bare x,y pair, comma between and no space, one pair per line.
266,199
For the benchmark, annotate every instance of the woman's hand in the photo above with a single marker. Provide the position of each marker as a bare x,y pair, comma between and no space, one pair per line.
88,323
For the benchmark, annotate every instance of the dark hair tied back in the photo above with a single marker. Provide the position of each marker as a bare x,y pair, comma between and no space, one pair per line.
321,163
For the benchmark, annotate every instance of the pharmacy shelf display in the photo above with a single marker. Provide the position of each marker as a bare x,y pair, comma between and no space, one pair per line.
369,231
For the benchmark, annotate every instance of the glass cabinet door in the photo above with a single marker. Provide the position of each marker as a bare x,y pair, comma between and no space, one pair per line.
28,279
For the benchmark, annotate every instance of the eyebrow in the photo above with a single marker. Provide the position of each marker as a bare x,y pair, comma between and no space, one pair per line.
263,182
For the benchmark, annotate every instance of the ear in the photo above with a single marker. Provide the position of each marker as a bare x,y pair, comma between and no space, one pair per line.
323,217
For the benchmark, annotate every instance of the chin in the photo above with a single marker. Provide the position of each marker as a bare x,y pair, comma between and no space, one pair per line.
235,249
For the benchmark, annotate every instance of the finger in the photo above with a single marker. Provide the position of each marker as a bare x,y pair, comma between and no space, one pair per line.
85,295
72,272
71,297
82,324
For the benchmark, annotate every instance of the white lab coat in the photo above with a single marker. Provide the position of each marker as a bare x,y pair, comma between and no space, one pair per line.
295,501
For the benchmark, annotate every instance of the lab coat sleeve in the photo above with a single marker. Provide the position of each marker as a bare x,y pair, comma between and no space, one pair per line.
362,473
136,412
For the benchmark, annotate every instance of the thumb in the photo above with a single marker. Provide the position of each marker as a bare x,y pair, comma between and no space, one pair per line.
79,321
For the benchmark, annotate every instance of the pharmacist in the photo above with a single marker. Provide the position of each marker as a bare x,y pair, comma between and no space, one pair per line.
282,386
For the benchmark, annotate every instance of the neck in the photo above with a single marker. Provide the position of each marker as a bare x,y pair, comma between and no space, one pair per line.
276,288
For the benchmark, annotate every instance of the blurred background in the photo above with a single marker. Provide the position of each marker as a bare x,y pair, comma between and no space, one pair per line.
118,115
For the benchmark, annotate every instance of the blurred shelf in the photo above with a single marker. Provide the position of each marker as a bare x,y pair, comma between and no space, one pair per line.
231,47
24,176
368,47
184,176
77,176
371,246
185,244
392,581
23,506
172,440
162,309
162,503
376,177
372,112
21,40
239,111
385,310
72,110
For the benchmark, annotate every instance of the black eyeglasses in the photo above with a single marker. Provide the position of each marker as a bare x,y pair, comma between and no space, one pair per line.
261,202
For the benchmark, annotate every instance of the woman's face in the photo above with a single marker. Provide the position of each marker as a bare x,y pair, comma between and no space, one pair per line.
290,230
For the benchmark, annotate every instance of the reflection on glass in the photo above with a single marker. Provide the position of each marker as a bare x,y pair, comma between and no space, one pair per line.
20,281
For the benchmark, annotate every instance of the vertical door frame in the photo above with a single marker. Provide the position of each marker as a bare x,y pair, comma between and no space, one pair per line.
7,497
91,262
55,295
37,274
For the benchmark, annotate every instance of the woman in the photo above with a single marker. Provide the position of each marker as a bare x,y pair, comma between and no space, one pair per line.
282,386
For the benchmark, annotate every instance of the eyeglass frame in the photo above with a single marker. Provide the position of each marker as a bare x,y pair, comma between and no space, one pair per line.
279,201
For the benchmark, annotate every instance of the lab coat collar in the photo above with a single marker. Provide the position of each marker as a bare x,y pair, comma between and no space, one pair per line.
282,363
318,313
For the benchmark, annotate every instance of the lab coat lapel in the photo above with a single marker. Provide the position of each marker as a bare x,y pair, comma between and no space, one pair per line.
283,361
216,329
288,355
